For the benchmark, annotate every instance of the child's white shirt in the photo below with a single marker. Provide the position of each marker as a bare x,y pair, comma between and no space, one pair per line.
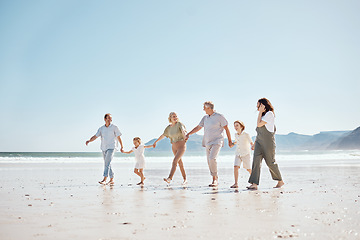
139,153
243,144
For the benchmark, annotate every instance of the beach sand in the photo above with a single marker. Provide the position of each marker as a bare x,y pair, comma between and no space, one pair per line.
64,201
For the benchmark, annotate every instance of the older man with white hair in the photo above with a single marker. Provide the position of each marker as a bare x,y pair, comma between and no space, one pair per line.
214,125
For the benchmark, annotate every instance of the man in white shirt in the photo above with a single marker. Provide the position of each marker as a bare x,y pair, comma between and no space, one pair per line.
214,125
110,136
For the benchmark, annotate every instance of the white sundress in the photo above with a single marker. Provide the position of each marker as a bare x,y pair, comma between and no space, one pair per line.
139,156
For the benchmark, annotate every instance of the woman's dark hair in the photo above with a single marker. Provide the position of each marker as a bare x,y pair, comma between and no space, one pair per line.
267,104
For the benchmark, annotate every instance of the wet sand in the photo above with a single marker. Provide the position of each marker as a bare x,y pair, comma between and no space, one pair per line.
64,201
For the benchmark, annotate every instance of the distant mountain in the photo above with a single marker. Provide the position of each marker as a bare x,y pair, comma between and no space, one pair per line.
291,141
348,141
320,141
194,144
323,140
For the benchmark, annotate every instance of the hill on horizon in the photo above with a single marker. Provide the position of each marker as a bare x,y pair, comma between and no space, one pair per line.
348,141
326,140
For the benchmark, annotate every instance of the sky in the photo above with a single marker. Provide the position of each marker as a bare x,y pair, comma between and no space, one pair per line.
64,64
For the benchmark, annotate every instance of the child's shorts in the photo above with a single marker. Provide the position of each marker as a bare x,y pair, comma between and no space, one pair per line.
244,159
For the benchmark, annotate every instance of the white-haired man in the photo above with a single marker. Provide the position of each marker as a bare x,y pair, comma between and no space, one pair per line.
214,125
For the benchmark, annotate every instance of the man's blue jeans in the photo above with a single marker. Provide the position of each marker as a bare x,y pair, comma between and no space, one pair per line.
108,156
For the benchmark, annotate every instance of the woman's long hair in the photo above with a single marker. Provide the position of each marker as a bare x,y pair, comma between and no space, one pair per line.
267,104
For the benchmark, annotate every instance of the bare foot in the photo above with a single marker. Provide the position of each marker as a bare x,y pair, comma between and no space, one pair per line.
252,187
167,180
280,184
103,182
140,183
214,183
234,186
111,183
184,182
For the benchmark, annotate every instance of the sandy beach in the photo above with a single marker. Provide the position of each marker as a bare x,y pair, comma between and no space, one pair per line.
64,201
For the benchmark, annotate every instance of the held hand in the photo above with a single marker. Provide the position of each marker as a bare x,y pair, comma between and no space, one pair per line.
121,150
87,142
252,147
230,144
186,137
154,145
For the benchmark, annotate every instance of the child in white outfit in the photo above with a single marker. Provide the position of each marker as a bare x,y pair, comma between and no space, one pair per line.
139,149
243,145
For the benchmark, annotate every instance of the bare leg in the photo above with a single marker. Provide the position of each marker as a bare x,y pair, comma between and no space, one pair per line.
236,176
141,175
136,171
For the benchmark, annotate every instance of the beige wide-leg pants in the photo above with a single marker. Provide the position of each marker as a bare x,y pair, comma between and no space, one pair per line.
178,149
212,152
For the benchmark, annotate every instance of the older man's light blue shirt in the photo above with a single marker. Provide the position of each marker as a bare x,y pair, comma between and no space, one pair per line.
213,129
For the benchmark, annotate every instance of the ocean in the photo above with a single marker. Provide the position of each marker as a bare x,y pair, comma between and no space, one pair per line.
284,158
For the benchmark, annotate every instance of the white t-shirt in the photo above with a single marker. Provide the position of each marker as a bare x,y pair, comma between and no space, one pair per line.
269,118
243,144
139,153
108,137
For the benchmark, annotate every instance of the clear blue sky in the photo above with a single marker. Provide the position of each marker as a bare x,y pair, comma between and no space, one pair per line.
64,64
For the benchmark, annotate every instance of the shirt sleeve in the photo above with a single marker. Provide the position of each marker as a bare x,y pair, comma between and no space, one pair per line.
268,117
201,124
248,136
166,132
98,133
117,132
182,127
223,121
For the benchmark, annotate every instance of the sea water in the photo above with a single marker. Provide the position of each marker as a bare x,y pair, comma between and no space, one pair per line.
197,159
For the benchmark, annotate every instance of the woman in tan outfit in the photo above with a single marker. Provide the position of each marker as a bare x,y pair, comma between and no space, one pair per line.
176,132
